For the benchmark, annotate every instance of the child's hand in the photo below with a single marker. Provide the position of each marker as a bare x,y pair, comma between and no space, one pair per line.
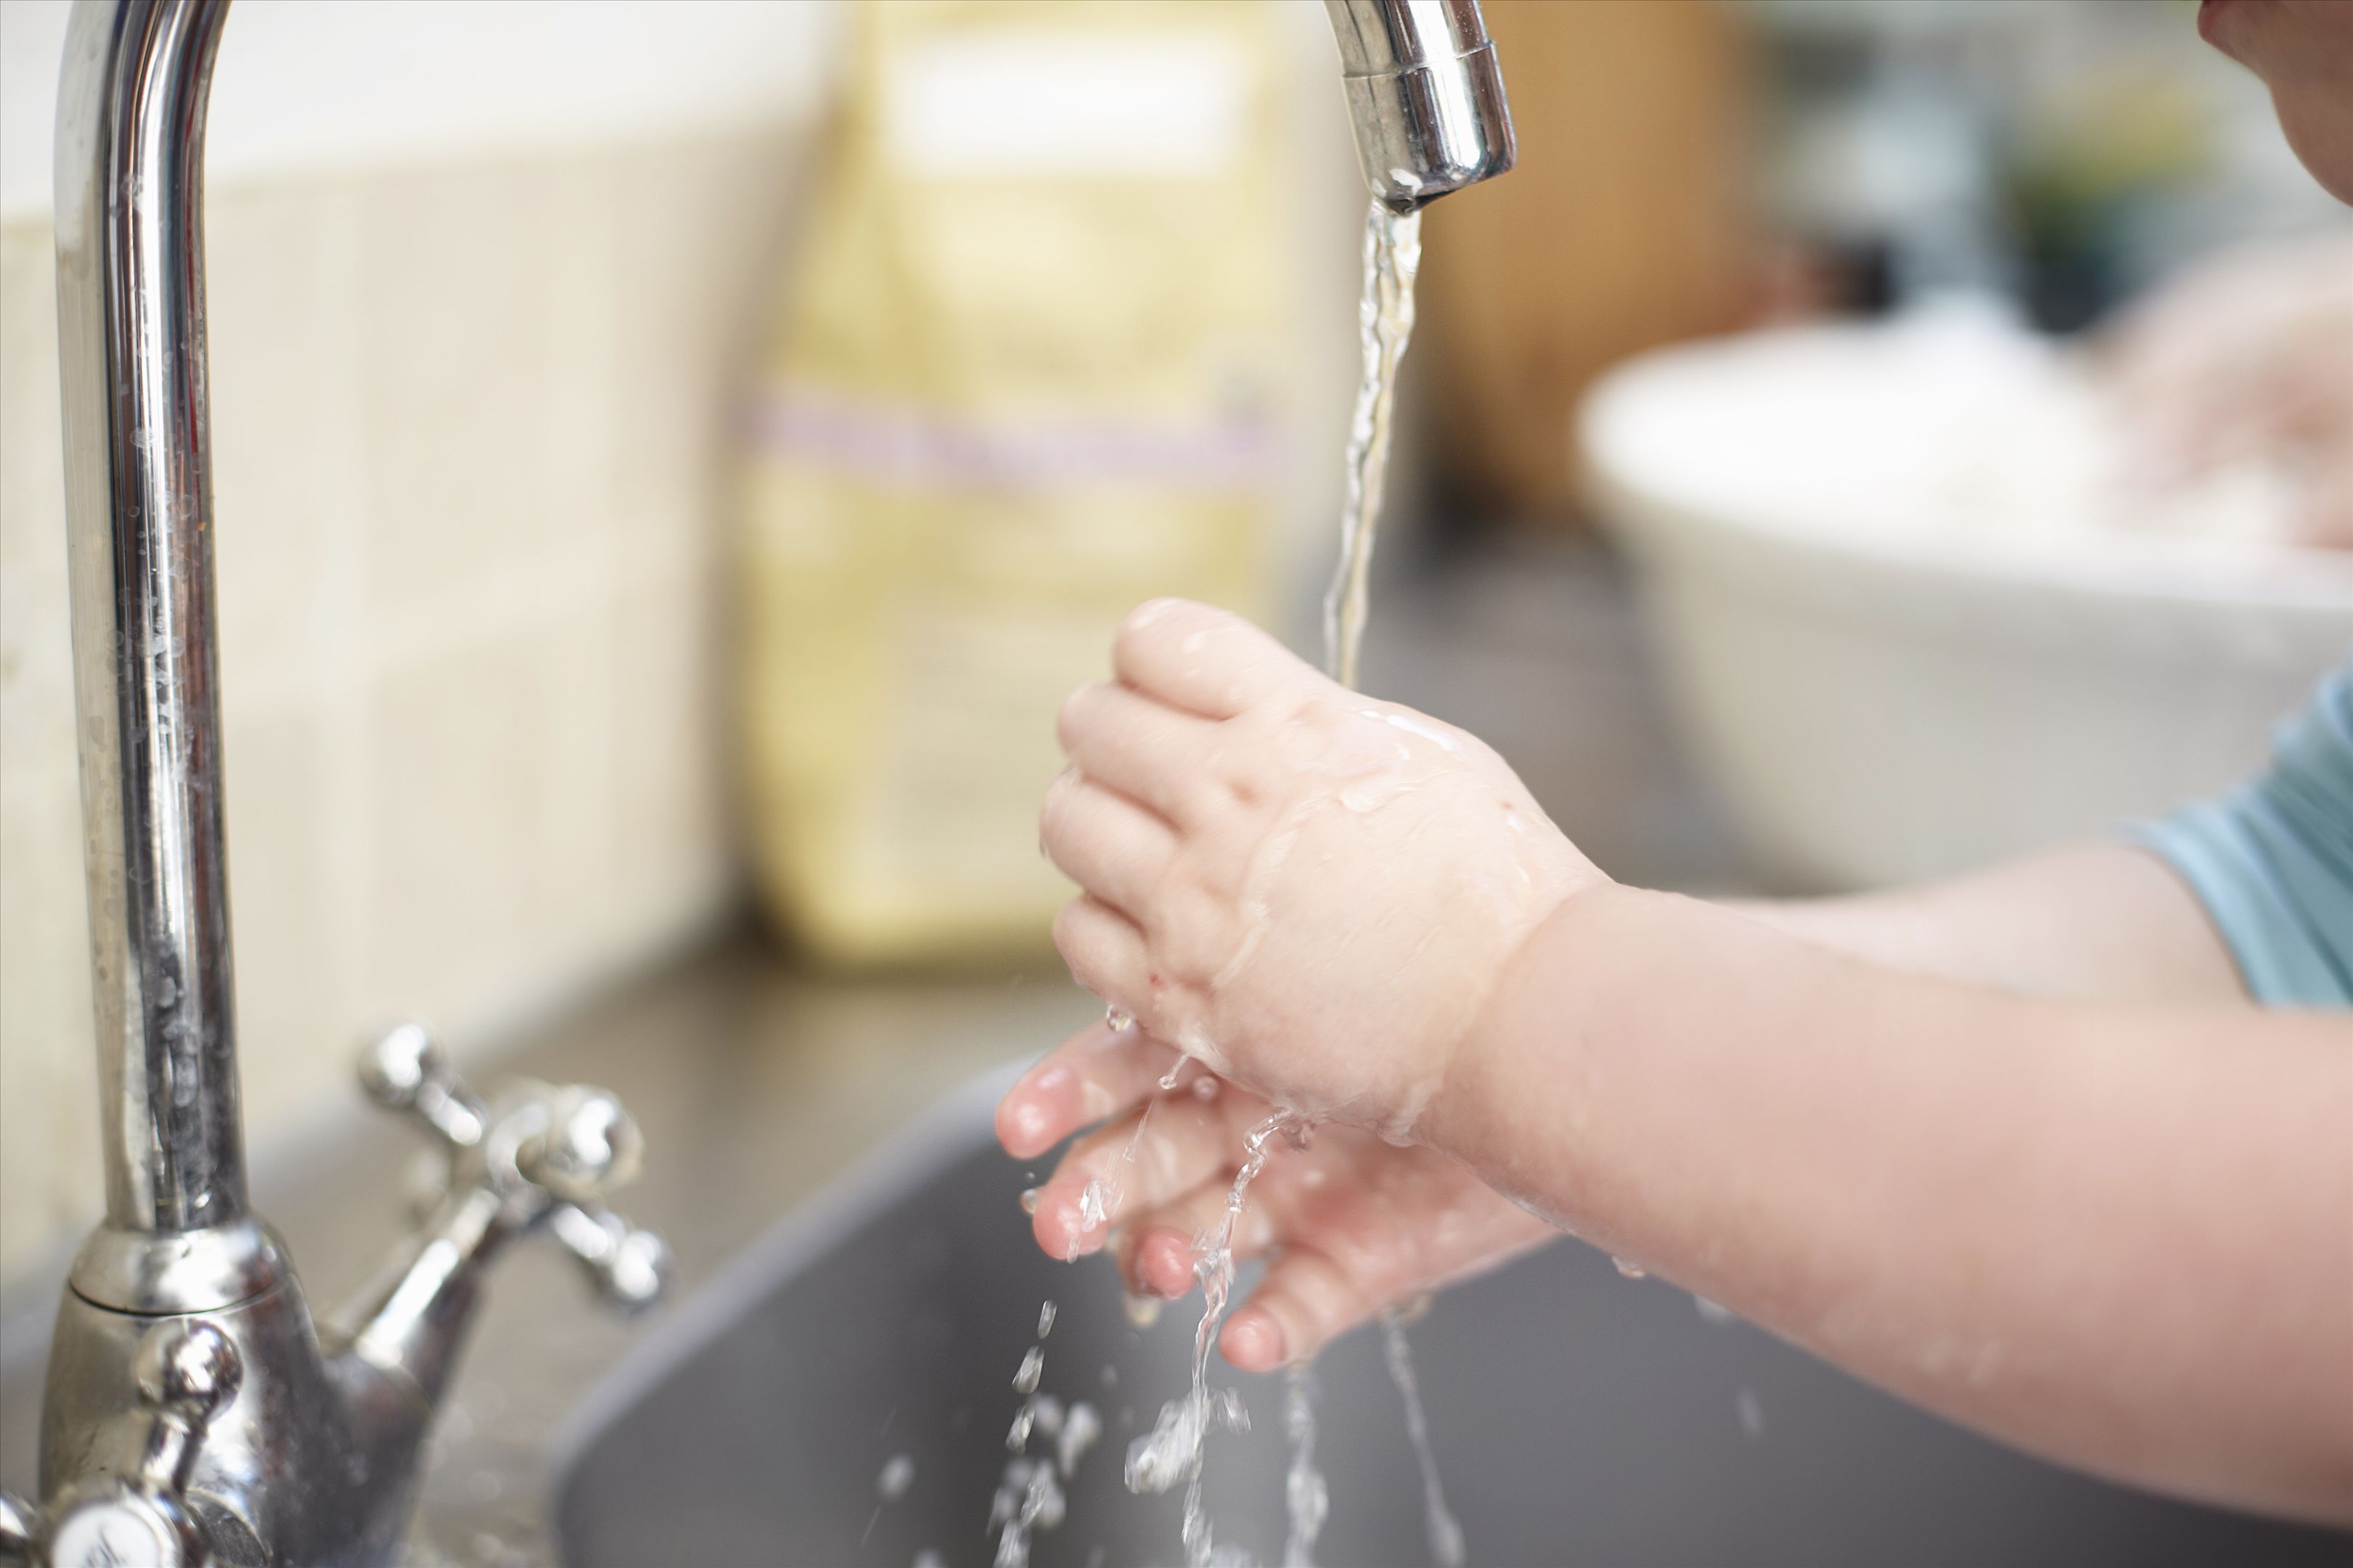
1309,890
1353,1224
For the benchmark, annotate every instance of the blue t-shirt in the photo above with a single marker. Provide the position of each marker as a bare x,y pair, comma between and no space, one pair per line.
2272,860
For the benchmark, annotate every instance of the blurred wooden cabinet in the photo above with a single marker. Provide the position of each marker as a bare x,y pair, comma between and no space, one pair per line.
1624,226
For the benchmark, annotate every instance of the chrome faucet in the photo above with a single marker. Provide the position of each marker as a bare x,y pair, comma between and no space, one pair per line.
1425,96
195,1412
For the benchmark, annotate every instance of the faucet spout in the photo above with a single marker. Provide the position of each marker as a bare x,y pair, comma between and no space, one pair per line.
192,1405
139,514
1425,96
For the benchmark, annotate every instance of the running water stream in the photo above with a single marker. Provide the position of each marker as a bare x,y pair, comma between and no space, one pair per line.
1174,1450
1384,324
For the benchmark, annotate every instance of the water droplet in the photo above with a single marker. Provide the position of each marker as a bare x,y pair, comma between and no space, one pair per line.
1033,1365
1142,1312
898,1475
1629,1269
1029,1200
1045,1319
1080,1427
1170,1451
1205,1087
1751,1411
1119,1019
1710,1312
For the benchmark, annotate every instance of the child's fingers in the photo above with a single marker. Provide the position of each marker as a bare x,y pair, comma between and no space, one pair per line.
1313,1293
1146,750
1107,953
1304,1302
1157,1261
1106,843
1207,661
1164,1242
1096,1073
1105,949
1187,1142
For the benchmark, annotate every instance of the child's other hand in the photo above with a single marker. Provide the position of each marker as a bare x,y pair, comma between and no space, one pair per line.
2244,356
1351,1224
1309,890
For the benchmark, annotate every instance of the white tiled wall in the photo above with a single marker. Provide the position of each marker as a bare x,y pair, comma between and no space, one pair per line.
468,433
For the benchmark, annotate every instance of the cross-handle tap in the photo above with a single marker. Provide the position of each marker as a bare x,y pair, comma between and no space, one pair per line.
570,1145
185,1372
535,1156
255,1438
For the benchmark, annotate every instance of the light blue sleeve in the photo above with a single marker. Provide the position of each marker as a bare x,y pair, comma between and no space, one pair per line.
2272,861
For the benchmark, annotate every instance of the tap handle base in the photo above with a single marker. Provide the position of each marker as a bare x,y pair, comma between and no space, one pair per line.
187,1371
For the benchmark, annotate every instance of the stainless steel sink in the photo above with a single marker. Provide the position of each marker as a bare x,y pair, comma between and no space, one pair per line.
1578,1417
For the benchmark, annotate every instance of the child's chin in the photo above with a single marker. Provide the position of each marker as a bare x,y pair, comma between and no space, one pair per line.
2220,22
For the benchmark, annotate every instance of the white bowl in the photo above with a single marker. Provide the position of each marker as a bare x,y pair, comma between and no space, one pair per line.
1913,616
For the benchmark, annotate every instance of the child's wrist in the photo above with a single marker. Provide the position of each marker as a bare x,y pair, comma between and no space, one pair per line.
1547,988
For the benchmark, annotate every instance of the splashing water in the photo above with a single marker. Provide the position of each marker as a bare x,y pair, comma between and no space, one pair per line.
1172,1449
1306,1498
1030,1498
1445,1531
1385,320
1099,1199
1080,1427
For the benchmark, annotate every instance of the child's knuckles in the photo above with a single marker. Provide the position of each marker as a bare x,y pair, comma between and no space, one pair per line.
1054,811
1192,940
1139,622
1147,632
1083,937
1072,720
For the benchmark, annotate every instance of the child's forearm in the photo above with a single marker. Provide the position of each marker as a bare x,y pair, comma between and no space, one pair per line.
2124,1238
2097,922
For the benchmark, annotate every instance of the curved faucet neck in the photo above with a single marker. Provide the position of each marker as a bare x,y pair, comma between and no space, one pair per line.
129,244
